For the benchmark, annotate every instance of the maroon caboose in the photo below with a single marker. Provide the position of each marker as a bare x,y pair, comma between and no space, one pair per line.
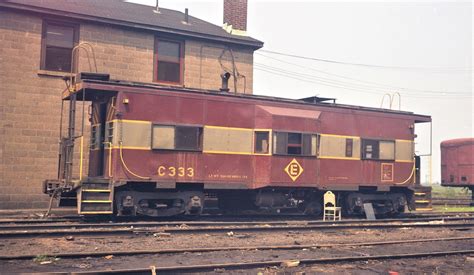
160,151
457,163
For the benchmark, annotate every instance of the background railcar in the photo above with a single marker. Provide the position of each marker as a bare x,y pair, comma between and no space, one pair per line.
160,151
457,163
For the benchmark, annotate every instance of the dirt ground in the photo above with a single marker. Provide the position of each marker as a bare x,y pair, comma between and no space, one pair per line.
435,265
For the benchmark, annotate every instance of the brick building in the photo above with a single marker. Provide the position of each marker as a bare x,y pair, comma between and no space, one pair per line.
131,42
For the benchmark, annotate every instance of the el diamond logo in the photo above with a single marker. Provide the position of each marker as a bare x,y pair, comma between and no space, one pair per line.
294,169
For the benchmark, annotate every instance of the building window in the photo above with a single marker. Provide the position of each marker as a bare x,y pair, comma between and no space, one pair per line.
168,61
378,149
261,142
58,40
294,144
185,138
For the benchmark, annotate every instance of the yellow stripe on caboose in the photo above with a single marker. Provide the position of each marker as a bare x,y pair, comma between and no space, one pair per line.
137,135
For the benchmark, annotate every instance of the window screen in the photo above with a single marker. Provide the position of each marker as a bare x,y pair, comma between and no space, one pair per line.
188,138
58,42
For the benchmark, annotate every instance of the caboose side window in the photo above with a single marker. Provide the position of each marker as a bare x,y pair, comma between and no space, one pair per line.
294,144
387,150
162,137
186,138
58,40
168,60
349,144
378,149
261,142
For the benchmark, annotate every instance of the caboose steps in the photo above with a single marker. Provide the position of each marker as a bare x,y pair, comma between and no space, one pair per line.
95,197
423,199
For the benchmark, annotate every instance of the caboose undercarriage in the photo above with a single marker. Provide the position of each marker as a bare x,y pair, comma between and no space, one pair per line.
144,199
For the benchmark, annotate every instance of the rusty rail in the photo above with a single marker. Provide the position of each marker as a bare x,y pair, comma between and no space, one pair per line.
214,249
260,227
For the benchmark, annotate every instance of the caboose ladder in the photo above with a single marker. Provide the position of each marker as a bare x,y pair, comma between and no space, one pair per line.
95,197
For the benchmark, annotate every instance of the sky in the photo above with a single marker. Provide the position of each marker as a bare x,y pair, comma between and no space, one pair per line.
422,50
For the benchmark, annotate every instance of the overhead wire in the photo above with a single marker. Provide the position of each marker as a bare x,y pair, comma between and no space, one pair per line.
377,84
367,65
337,84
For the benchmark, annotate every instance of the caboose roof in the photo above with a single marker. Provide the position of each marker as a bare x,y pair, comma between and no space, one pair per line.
93,87
457,142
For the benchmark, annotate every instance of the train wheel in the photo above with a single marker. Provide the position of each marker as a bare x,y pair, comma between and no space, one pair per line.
313,208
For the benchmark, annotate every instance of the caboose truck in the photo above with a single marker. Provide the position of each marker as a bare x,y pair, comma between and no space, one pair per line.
160,151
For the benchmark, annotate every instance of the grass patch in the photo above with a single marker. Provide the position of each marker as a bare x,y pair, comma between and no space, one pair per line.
449,192
442,208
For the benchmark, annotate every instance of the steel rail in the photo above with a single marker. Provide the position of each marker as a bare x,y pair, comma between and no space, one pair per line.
201,229
76,226
232,248
222,218
259,264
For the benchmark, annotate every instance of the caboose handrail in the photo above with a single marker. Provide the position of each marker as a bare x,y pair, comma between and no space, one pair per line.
391,97
75,51
126,167
410,176
389,100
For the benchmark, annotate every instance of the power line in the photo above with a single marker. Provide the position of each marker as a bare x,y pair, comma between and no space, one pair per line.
347,84
304,78
364,65
377,84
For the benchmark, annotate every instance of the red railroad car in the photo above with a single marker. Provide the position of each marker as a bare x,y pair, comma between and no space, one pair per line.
159,151
457,163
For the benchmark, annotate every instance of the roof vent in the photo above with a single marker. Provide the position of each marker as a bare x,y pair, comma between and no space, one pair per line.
186,16
318,99
157,8
225,82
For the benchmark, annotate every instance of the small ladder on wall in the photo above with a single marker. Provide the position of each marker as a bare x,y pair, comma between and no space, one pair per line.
96,198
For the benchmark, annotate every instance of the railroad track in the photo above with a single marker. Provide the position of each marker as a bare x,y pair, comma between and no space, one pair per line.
13,225
77,220
59,230
346,252
452,201
220,249
260,264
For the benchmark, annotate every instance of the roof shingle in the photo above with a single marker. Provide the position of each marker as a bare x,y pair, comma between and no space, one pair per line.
133,15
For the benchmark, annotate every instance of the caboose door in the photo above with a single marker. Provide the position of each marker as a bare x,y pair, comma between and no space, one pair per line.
102,116
96,153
